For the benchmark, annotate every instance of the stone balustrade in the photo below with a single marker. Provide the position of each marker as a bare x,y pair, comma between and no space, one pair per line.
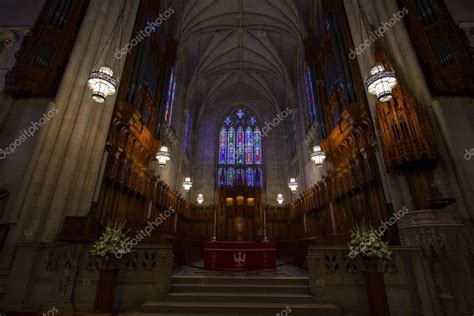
66,276
336,278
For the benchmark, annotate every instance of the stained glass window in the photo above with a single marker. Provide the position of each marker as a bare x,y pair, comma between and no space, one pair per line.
258,177
231,146
230,177
221,177
240,176
257,137
310,94
240,145
240,150
222,145
250,177
249,146
170,96
253,120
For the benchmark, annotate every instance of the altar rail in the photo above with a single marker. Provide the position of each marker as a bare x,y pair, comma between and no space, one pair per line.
66,276
336,278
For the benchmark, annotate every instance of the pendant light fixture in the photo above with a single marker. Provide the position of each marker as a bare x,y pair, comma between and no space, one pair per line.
101,80
293,185
187,184
102,83
381,82
280,199
163,156
200,198
318,156
381,79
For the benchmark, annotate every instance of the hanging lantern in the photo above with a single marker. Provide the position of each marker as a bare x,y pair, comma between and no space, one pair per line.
200,198
318,156
187,184
280,198
381,83
163,156
293,185
102,84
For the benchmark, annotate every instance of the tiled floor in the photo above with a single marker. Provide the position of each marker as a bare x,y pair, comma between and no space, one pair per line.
282,270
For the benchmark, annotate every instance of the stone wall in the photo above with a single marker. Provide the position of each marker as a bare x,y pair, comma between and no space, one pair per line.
66,276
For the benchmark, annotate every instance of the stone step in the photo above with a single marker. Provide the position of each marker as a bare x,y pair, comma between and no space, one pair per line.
226,308
239,288
235,297
240,280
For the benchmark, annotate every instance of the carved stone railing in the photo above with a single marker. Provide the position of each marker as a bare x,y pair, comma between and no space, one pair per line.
336,278
66,276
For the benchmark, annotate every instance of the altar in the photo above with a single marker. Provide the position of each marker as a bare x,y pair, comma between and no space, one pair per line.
239,255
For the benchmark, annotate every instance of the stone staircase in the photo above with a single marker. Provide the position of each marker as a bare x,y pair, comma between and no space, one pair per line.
243,296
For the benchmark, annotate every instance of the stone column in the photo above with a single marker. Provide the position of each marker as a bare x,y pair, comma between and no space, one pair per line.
365,60
440,233
63,170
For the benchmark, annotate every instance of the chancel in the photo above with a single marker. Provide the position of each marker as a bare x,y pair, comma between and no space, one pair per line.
237,157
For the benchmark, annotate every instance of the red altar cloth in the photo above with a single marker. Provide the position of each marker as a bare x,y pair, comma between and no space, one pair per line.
239,255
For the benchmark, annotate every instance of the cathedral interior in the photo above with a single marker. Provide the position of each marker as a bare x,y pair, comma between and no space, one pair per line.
236,157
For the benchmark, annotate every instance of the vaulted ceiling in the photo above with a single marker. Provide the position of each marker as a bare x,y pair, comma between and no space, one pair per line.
240,50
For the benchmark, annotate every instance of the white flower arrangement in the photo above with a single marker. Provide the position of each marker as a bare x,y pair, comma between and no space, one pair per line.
365,243
113,240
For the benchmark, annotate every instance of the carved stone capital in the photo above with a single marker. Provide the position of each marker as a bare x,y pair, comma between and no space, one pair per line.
7,38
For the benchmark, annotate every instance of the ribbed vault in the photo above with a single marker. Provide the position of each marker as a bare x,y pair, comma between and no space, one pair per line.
239,50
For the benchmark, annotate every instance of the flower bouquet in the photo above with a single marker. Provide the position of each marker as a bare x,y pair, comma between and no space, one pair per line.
366,244
111,245
107,249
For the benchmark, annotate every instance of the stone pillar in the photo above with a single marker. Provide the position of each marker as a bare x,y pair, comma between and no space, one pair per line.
440,233
65,165
365,60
